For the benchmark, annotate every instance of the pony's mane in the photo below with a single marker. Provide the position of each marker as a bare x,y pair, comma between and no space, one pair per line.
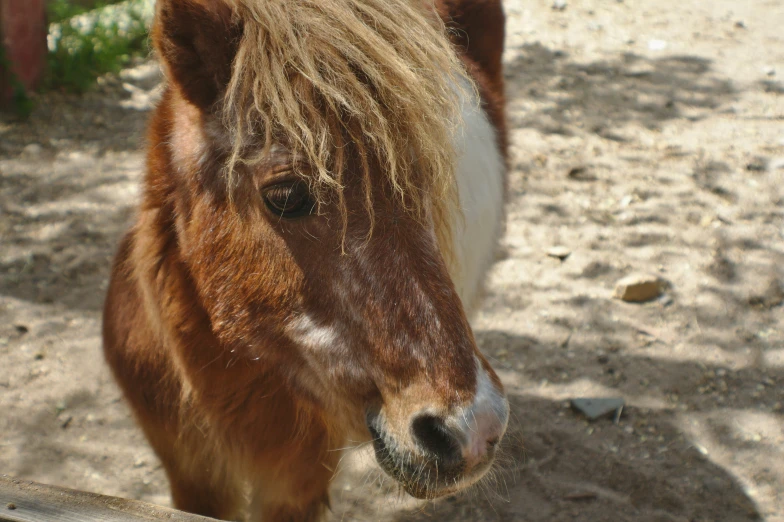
377,77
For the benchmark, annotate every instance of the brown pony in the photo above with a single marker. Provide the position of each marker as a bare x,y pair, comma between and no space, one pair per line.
323,193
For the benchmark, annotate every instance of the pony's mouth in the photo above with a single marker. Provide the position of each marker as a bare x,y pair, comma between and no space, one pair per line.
421,475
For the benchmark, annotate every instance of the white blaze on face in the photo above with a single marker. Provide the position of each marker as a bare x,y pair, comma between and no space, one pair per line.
327,352
306,332
480,182
318,344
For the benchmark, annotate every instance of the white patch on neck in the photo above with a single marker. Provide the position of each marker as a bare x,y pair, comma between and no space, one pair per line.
480,183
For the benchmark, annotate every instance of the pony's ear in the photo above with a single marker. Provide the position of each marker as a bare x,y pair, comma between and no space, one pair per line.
197,41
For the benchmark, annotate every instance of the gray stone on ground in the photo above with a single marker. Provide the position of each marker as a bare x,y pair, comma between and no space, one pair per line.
598,407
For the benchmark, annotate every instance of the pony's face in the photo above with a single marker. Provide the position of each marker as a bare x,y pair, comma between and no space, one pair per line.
348,298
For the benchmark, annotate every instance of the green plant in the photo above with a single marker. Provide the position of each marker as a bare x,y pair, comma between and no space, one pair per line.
87,44
60,10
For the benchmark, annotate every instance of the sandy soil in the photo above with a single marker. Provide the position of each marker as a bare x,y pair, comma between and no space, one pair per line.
646,137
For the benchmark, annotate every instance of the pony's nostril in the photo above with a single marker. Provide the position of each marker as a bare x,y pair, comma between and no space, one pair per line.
432,435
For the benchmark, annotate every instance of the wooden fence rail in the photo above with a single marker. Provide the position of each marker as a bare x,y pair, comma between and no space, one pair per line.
23,501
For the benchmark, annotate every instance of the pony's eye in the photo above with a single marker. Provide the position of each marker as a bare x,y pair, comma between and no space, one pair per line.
289,200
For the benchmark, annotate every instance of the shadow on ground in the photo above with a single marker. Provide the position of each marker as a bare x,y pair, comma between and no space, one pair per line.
60,231
601,96
103,117
566,470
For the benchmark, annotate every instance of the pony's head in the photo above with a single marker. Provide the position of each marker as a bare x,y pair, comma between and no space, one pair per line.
311,147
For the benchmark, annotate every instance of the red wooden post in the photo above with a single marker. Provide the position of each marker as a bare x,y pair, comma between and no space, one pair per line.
23,29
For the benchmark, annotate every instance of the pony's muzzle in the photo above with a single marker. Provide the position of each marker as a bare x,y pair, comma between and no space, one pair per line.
437,451
458,445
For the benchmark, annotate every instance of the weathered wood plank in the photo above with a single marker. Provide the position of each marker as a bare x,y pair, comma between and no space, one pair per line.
23,501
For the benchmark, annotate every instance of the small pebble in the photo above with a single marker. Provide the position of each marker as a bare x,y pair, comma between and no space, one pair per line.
21,329
32,149
559,252
559,5
638,288
757,165
580,172
11,506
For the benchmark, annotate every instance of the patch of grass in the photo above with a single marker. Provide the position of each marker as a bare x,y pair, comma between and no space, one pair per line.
83,45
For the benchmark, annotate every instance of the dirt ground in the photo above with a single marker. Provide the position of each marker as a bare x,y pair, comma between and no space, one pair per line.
646,137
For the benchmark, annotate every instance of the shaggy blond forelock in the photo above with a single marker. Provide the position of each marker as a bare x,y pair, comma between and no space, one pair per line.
379,75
